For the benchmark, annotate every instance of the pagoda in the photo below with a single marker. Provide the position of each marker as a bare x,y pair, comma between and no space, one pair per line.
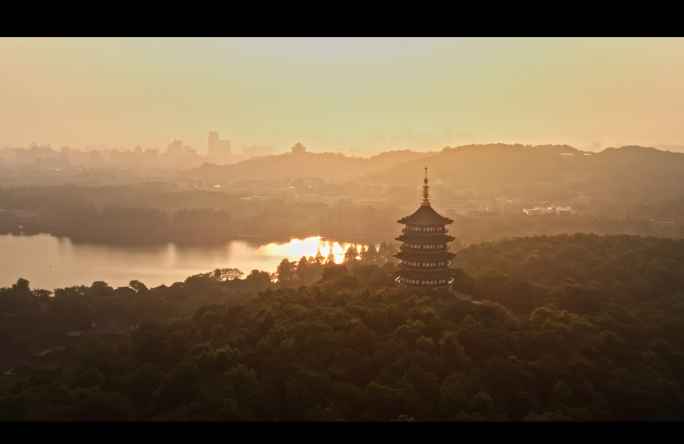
298,149
424,255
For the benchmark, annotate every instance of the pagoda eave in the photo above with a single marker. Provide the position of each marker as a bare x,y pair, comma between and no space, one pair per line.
425,216
425,239
426,274
425,255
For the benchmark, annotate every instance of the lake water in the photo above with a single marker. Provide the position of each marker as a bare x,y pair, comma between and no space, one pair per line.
50,262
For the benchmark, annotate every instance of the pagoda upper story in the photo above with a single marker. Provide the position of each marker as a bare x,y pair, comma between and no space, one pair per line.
298,149
424,255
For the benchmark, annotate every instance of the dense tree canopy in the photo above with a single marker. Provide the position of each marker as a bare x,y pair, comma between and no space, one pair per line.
593,334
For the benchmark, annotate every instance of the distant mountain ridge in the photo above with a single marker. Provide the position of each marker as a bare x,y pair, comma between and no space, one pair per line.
629,169
305,165
493,164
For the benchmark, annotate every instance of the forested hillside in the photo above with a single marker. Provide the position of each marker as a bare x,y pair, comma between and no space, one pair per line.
570,328
305,165
626,173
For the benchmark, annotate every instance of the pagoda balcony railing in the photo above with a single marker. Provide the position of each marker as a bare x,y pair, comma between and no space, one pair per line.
445,285
405,266
423,250
420,233
415,231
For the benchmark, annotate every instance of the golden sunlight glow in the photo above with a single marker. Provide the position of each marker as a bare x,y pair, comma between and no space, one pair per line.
297,248
527,90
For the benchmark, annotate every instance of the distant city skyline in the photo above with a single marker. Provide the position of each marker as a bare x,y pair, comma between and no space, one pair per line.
341,141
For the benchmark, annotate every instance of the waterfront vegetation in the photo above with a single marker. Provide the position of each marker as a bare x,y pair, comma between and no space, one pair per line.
580,327
278,220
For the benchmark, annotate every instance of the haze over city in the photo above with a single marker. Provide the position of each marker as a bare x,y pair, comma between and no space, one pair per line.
341,229
328,93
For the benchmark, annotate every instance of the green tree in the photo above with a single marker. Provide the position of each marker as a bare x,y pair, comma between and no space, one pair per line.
139,385
318,259
22,286
258,279
351,255
363,254
42,295
179,388
303,270
451,351
98,406
93,352
286,271
138,286
101,288
227,274
371,254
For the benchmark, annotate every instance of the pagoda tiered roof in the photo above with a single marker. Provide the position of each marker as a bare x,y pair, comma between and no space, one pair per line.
425,215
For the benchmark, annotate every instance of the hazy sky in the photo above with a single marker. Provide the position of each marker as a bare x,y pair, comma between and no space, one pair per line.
577,91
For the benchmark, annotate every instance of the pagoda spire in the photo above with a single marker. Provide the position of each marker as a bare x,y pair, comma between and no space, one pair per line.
425,202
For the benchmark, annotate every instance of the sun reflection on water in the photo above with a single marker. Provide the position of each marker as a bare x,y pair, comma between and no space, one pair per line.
297,248
51,262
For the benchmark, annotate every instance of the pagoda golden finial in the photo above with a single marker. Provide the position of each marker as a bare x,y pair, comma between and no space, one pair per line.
425,202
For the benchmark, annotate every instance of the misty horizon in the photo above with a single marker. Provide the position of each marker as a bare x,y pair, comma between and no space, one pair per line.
342,229
501,90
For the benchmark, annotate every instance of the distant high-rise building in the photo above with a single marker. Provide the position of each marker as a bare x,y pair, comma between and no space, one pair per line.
175,148
151,155
224,148
218,149
213,143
